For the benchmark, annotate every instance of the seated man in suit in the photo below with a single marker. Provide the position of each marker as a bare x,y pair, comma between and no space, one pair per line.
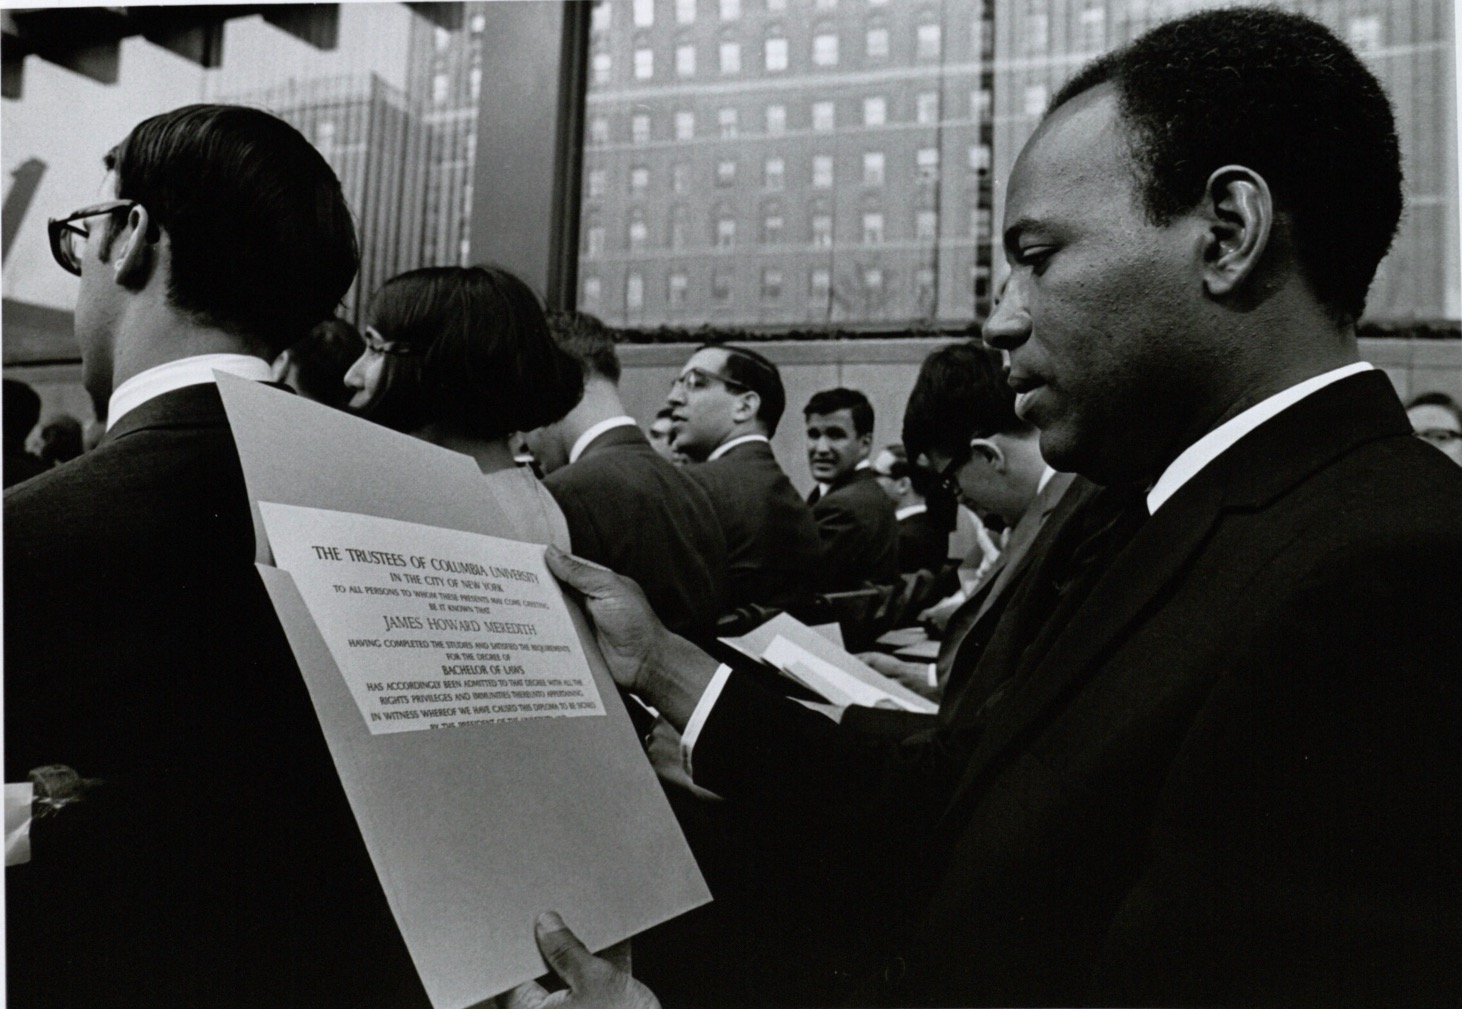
923,535
961,416
218,863
1225,765
725,406
854,517
628,508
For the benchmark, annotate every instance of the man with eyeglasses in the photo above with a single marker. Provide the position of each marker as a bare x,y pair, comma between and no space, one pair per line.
724,407
216,861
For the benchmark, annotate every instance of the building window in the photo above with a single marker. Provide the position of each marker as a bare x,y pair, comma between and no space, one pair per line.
924,290
775,6
679,227
873,168
873,228
592,290
819,286
639,232
730,57
726,119
1093,23
684,12
926,161
601,65
599,130
1037,33
685,126
644,13
873,279
599,20
771,284
441,38
721,286
595,234
822,230
1365,33
774,173
639,128
639,180
980,158
875,111
771,227
927,42
825,49
730,10
822,116
877,47
1035,99
926,223
726,232
726,174
822,172
685,59
980,220
676,289
474,83
776,53
598,180
439,88
634,291
981,102
479,24
926,108
644,64
776,120
680,177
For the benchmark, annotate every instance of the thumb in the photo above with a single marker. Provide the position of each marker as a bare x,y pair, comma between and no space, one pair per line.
593,580
562,950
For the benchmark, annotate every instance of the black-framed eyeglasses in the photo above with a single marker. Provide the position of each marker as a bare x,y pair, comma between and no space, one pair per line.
948,476
699,378
63,233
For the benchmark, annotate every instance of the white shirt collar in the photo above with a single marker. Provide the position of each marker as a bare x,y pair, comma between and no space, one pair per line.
862,464
588,436
727,446
1222,438
909,511
148,385
1046,475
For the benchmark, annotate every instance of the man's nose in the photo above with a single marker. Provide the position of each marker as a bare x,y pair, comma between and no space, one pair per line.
1009,324
676,396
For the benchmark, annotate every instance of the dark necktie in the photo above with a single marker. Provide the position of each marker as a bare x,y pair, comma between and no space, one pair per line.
815,496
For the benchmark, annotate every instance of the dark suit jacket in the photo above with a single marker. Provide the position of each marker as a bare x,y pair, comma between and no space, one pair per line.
219,864
1231,777
632,511
923,544
860,536
771,540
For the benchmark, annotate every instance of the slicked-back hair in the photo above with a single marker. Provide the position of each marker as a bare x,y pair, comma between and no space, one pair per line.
1277,93
1440,399
748,368
960,394
832,400
262,242
472,353
585,338
921,478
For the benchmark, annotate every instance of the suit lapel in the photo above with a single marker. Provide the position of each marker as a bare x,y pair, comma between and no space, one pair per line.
1012,558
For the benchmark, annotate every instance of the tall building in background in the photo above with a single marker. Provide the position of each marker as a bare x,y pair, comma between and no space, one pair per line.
787,162
379,147
1409,45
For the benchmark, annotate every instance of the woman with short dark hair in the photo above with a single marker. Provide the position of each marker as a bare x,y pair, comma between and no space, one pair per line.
462,357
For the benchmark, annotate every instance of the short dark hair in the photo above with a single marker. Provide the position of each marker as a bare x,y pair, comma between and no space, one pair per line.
921,478
1440,399
472,352
585,338
1280,94
832,400
22,410
61,439
755,372
960,394
322,358
262,242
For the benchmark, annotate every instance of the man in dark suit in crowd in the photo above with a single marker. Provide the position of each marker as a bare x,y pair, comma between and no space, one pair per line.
217,862
628,508
855,518
923,536
1224,765
961,416
725,406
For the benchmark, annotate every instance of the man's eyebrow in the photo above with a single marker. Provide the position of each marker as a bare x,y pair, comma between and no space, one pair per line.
1013,231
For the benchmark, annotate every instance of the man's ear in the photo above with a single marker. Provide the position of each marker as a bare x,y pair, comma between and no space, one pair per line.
133,256
991,452
1240,211
747,405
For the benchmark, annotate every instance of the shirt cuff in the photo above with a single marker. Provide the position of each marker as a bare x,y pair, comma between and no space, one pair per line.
931,675
698,717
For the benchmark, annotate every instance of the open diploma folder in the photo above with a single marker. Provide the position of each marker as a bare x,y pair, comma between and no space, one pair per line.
489,760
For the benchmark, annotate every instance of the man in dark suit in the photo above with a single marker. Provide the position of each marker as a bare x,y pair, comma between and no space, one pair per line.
627,507
855,518
217,862
1224,765
923,535
725,407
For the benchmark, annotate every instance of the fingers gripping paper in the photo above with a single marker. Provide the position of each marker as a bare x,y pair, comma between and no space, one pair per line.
434,628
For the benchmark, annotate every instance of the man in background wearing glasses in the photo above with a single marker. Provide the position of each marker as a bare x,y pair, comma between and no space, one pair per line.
725,406
217,862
